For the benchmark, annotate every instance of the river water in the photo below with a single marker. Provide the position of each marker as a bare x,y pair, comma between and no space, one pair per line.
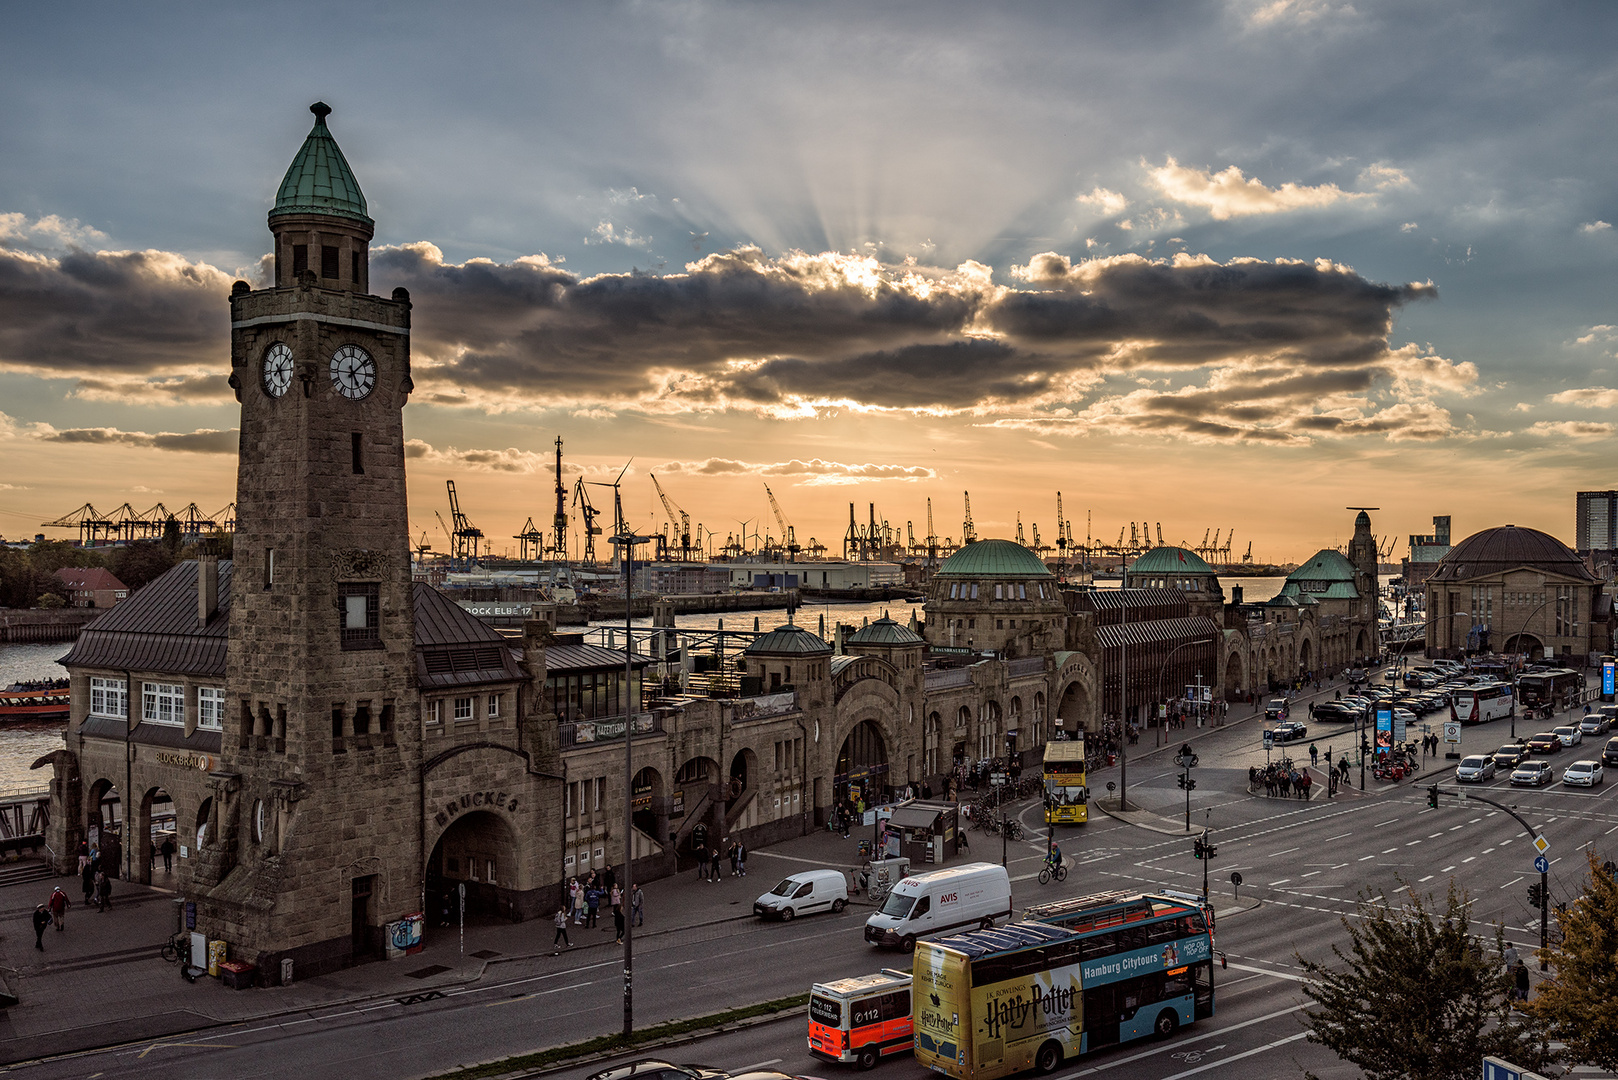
23,744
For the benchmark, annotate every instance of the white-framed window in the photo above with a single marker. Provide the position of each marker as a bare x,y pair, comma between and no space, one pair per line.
435,712
211,708
109,697
494,706
463,708
162,703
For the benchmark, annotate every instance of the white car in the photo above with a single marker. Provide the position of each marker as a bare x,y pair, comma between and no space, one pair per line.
1583,774
1570,736
1475,769
1406,715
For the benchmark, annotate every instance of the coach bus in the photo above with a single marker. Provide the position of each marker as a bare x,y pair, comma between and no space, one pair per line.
1546,692
1483,702
989,1003
1066,797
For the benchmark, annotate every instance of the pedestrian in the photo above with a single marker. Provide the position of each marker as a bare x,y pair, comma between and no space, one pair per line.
168,854
592,905
578,902
741,858
618,921
103,891
561,927
637,905
58,906
713,864
87,879
1521,973
731,852
42,919
1314,754
617,895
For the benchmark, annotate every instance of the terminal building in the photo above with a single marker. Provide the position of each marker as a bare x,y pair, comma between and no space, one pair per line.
337,748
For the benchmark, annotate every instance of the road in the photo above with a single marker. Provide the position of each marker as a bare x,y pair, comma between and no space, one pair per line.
1307,861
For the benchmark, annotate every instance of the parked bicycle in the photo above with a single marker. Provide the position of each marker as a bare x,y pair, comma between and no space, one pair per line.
177,949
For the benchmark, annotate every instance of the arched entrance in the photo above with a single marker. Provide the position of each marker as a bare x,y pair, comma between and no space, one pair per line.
1235,684
155,827
479,851
1524,643
203,827
743,775
104,813
1359,646
1304,657
862,766
650,809
692,803
1073,710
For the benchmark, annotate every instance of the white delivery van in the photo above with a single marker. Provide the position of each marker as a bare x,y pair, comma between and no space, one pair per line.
804,893
973,895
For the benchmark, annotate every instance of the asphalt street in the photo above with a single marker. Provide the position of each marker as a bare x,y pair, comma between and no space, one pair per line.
1307,862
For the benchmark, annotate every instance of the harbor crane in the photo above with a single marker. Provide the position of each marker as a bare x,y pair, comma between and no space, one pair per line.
465,537
530,542
932,536
1247,558
1061,535
1022,541
969,532
677,517
423,547
587,515
559,521
788,536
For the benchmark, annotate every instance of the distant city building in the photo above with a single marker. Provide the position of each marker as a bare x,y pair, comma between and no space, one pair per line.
1425,552
91,587
834,577
1596,530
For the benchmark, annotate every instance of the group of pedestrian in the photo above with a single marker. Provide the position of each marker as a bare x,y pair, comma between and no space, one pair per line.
52,911
94,877
582,902
1281,781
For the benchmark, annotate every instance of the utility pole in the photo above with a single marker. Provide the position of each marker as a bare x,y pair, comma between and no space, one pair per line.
626,541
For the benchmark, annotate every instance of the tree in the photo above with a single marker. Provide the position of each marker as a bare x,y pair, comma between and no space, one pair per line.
141,562
1418,995
171,536
1579,1001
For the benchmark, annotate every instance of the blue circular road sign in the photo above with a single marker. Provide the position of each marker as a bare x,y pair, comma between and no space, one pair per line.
1542,864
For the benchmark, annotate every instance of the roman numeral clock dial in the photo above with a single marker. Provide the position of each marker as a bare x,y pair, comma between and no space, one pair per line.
353,372
277,369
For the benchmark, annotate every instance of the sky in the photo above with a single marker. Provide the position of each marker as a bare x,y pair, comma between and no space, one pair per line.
1231,265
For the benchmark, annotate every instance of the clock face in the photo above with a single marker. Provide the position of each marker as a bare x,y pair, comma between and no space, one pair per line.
353,372
277,369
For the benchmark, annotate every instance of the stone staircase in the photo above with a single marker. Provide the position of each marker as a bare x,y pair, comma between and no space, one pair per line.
23,871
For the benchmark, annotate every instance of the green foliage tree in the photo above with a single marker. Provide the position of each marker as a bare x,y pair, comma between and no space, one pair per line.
16,578
49,556
1416,995
171,536
51,600
139,563
1578,1002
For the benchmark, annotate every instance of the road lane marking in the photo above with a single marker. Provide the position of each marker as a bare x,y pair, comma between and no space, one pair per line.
1288,851
1446,869
1436,835
1339,836
1429,877
1390,851
1266,971
1238,1057
1218,1033
1454,827
1283,881
1510,883
757,1065
1413,843
1362,858
536,994
1379,824
1311,873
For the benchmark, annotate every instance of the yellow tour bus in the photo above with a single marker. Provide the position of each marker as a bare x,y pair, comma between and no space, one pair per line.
1066,796
1030,995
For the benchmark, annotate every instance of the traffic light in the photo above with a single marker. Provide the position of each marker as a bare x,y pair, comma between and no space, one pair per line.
1365,746
1185,782
1197,849
1208,851
1432,796
1536,894
1182,778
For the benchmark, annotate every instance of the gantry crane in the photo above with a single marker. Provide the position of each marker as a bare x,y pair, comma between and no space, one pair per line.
932,536
530,542
559,521
1061,533
1021,540
677,518
465,537
788,537
969,532
587,515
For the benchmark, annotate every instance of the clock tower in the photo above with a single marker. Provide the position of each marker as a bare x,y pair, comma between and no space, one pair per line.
316,805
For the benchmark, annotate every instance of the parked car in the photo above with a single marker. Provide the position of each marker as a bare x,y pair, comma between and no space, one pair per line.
1570,736
804,893
1583,774
1354,675
1510,756
1289,732
1596,724
1531,774
1404,714
1475,769
1334,712
1609,753
1546,742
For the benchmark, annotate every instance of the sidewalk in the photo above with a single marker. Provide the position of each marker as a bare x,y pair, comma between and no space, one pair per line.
102,982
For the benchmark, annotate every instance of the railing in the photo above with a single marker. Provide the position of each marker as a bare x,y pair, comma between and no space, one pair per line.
1024,666
606,729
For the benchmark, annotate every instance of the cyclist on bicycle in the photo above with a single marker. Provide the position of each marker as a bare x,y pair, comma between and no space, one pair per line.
1053,857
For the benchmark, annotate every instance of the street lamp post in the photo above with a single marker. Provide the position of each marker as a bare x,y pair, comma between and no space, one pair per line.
1123,688
1162,672
626,905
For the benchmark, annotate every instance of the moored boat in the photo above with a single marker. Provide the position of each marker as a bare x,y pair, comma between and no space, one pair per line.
41,699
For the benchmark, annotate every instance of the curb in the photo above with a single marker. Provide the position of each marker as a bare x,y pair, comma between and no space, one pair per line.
1141,824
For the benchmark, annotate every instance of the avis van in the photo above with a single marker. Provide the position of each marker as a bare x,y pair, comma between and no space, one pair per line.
973,895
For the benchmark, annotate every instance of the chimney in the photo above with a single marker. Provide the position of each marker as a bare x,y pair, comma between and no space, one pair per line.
207,588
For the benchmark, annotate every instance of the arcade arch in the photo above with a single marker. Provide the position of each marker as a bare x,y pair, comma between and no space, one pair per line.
479,849
862,766
155,823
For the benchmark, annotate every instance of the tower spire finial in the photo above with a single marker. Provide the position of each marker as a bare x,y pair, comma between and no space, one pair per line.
321,111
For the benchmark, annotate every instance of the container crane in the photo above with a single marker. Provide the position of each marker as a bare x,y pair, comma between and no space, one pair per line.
465,537
788,536
559,521
969,532
588,515
677,517
530,542
1061,535
932,535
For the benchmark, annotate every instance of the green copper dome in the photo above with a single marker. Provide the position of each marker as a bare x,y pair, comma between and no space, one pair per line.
788,640
994,558
319,180
885,632
1170,560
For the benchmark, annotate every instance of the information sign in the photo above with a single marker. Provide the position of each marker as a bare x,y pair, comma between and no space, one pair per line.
1452,731
1384,731
1542,865
1609,675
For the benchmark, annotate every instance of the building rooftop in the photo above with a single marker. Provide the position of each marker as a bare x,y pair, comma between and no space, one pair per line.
884,632
319,180
88,577
1170,560
789,640
994,558
1507,547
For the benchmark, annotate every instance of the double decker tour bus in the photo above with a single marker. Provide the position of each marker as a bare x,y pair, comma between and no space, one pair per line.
1546,692
1032,994
1066,796
1483,702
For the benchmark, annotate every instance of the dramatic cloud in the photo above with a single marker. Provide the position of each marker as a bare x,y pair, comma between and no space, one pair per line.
1229,194
814,471
509,460
202,441
186,388
49,232
1591,397
1109,202
1571,429
126,312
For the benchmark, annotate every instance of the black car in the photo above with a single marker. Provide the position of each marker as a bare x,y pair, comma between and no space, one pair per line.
1511,755
1609,753
1334,712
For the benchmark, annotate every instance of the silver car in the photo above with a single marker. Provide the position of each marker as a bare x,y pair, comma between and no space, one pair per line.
1583,774
1595,724
1475,769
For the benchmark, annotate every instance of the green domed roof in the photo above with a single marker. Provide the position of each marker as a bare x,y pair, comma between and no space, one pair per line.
1330,574
319,180
1170,560
993,558
884,632
789,640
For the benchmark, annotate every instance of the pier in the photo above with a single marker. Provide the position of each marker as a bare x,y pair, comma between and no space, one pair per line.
19,625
